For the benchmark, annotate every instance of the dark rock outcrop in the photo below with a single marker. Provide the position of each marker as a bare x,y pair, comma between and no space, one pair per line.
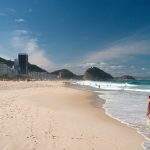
96,74
125,77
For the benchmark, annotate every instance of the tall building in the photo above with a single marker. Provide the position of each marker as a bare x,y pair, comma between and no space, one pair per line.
23,63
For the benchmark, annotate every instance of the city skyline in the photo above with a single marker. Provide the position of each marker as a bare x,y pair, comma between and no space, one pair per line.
75,35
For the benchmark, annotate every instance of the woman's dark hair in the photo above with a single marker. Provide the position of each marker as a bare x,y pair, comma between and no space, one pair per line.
149,97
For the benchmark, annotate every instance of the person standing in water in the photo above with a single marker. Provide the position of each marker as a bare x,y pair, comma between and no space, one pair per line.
148,109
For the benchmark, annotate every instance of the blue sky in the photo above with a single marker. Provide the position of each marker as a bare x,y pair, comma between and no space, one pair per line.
113,35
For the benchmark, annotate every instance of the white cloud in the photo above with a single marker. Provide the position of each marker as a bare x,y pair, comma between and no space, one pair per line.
21,32
37,56
87,65
19,20
143,68
132,67
2,14
4,56
17,42
136,44
22,41
119,51
30,10
12,10
116,67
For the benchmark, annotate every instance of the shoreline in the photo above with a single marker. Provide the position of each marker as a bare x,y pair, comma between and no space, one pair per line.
58,117
96,98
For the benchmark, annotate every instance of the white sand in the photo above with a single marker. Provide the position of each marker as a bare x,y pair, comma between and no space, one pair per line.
48,116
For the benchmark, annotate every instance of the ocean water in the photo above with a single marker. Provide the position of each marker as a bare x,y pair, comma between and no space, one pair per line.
126,102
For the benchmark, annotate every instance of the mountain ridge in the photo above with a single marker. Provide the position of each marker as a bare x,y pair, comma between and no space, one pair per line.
92,73
66,74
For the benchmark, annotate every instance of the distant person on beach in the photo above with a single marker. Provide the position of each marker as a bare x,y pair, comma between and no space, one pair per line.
148,109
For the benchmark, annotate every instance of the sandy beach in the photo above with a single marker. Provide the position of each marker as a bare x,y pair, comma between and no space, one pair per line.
46,115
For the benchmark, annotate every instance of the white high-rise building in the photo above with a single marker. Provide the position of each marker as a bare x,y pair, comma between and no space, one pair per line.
6,71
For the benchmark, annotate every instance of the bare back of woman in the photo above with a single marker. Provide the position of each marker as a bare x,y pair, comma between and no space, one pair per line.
148,109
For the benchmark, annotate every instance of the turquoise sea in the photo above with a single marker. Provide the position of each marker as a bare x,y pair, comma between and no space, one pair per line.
126,101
